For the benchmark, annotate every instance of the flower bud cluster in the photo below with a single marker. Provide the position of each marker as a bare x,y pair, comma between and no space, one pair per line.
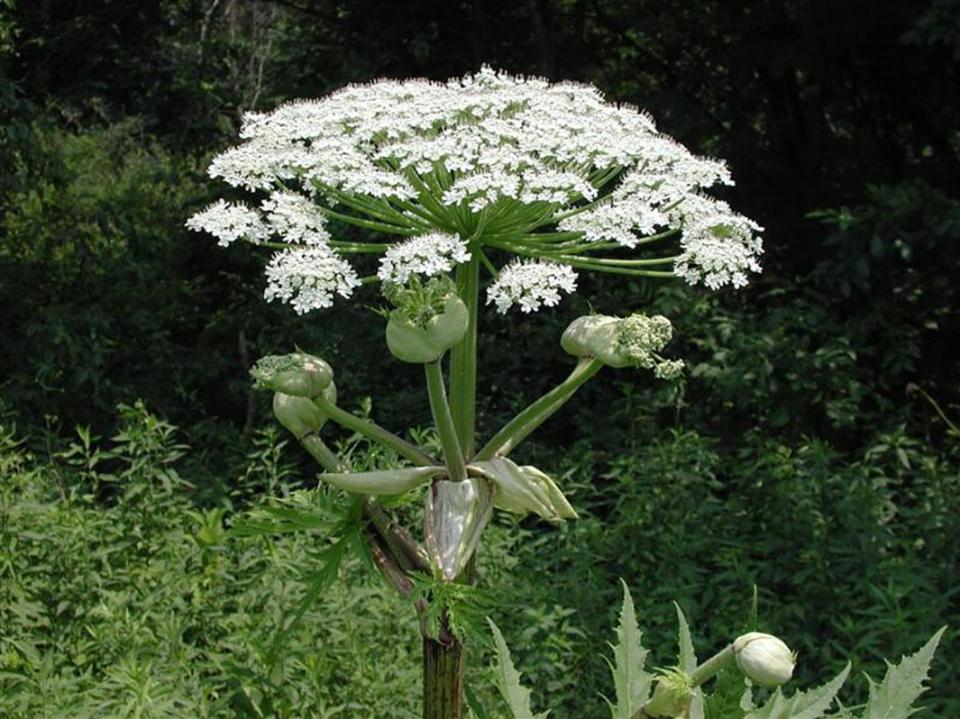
634,341
428,320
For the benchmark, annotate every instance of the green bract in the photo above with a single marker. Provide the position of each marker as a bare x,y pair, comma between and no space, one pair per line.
421,343
634,341
390,481
524,489
298,374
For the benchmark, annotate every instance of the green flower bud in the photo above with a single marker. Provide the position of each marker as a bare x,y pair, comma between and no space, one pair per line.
577,338
300,415
633,341
764,658
427,341
297,374
672,696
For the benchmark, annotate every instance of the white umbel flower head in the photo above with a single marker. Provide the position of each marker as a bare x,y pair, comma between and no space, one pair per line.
308,278
427,256
764,658
519,165
531,284
229,222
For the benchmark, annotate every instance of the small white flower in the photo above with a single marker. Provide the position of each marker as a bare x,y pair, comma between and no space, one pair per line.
720,247
295,218
531,284
426,255
307,278
229,222
764,658
623,222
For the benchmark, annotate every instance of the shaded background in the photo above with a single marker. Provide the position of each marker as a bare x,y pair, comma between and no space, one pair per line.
807,433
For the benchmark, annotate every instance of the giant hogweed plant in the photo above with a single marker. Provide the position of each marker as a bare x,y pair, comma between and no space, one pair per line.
512,183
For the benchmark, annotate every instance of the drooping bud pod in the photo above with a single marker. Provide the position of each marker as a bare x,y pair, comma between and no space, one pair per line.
299,414
634,341
764,658
426,341
297,374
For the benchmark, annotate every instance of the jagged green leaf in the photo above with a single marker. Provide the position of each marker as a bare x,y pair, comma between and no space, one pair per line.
811,704
508,681
631,681
893,697
687,661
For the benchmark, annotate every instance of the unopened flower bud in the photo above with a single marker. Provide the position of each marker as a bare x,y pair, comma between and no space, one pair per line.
672,696
764,658
299,414
426,341
297,374
634,341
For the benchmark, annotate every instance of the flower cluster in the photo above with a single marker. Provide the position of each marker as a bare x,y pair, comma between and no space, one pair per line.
531,284
229,222
514,164
307,278
426,255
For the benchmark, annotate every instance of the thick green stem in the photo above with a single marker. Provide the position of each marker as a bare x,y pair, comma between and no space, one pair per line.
375,432
463,359
319,450
444,421
443,668
520,427
711,666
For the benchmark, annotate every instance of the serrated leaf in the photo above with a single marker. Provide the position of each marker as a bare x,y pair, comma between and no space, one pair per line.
631,681
687,657
687,661
812,704
893,698
508,681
